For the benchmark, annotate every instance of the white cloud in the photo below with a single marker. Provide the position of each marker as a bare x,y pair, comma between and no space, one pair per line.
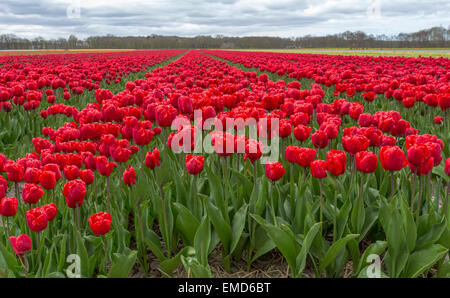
47,18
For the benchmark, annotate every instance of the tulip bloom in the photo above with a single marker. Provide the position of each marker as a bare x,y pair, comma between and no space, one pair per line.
3,187
87,176
32,175
392,158
336,162
14,172
48,180
291,153
366,162
50,211
74,192
275,171
104,167
418,154
319,139
152,159
32,193
71,172
165,114
253,150
306,156
194,164
21,244
100,223
55,169
319,169
302,132
129,176
355,143
8,207
36,219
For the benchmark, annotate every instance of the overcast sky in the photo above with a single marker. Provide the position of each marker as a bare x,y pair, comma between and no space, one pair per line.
287,18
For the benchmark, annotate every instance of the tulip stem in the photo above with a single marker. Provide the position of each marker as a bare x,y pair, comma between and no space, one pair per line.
225,177
335,219
25,266
16,188
255,174
78,217
272,205
413,190
107,194
321,201
392,185
360,204
446,199
292,184
419,202
39,248
7,225
194,185
106,252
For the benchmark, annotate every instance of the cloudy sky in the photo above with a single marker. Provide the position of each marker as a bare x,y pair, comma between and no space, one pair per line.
287,18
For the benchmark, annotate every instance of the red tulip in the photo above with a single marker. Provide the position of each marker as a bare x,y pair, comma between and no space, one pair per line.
319,169
418,154
32,193
74,191
8,206
3,160
253,150
100,223
47,179
275,171
392,158
129,176
3,187
71,172
165,114
194,164
36,219
50,211
336,162
21,244
438,120
302,132
14,171
55,169
291,153
306,156
87,176
142,136
319,139
285,128
355,143
366,162
32,175
104,167
447,167
152,159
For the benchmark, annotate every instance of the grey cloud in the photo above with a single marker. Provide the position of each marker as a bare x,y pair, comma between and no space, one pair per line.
225,17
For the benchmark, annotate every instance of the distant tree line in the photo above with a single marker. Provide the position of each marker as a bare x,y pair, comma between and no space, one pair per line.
436,37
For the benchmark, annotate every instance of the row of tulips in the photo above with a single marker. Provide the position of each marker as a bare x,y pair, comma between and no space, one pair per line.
119,156
417,85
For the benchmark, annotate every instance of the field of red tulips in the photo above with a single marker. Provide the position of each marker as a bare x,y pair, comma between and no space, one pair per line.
160,163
